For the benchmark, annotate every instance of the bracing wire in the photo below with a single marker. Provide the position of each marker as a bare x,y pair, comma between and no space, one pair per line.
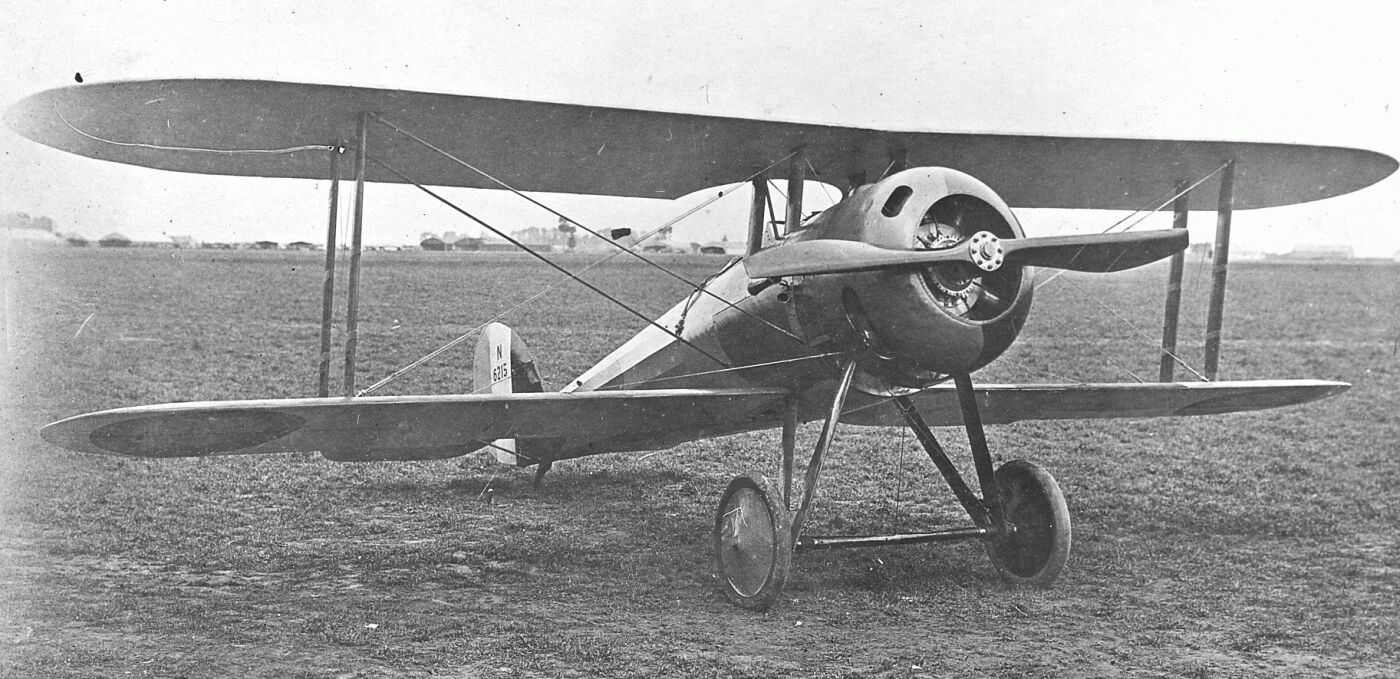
622,248
1132,327
1144,213
825,188
1031,368
737,368
455,342
549,262
462,338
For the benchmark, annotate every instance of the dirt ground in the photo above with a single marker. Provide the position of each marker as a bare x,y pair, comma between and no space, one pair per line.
1262,544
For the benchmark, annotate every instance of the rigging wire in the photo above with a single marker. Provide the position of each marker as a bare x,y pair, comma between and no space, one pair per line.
541,293
1147,213
1095,346
899,474
622,248
825,188
546,260
1134,328
1172,195
461,338
737,368
1040,369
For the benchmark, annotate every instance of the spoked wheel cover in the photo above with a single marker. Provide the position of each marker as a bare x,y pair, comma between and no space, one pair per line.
1038,546
753,543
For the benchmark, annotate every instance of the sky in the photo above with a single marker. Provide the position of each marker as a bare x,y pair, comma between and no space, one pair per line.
1314,73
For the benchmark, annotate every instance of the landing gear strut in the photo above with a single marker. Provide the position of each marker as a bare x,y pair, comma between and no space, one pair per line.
1021,515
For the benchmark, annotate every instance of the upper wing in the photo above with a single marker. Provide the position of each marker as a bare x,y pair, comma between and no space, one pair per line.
409,427
229,127
1004,403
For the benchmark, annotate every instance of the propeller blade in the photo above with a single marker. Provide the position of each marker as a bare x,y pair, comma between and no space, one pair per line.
811,257
1100,253
1095,253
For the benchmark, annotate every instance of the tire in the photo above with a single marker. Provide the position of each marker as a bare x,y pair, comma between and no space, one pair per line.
1036,512
753,543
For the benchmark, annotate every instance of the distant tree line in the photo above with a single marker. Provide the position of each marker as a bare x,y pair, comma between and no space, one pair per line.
21,220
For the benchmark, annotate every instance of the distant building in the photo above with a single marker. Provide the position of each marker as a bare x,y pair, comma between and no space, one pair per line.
723,247
467,244
114,240
1319,253
432,244
665,247
264,245
301,245
77,241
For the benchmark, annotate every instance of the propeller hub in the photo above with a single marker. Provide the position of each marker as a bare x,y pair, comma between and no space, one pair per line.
986,251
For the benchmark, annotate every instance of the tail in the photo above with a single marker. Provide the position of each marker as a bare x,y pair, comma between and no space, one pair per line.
504,366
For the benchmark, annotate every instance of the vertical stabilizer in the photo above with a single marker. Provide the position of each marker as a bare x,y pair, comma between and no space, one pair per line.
493,375
504,366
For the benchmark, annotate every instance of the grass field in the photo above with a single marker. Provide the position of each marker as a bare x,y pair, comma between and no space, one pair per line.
1243,545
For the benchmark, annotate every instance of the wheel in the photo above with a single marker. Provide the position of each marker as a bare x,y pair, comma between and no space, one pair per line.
753,543
1037,517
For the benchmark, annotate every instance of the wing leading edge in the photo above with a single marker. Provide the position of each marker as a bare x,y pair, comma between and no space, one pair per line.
253,128
1006,403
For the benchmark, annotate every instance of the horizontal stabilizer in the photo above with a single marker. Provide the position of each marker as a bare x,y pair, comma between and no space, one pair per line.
277,129
1005,403
401,427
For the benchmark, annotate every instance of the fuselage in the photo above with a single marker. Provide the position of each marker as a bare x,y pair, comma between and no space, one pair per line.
907,328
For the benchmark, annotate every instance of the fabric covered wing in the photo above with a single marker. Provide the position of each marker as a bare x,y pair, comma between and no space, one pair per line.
234,127
404,427
1004,403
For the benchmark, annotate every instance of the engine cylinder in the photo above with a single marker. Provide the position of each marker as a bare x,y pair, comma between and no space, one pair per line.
917,324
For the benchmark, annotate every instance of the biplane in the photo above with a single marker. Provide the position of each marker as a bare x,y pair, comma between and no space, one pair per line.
874,312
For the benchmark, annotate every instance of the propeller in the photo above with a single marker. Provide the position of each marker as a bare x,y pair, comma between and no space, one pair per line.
1096,253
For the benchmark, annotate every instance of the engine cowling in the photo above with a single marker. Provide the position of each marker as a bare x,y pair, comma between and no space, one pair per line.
915,325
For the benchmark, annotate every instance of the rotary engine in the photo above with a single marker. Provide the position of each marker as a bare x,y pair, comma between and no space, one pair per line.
917,323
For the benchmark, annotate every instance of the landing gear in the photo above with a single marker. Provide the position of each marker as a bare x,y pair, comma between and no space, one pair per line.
540,470
753,543
1021,515
1035,545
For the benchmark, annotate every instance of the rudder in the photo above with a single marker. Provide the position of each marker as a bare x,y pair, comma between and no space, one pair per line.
504,366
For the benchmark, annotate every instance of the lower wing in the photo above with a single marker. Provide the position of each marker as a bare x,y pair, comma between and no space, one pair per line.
409,427
1004,403
437,427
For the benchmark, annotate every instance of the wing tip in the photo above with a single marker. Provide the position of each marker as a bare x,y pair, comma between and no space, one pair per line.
189,433
1262,395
